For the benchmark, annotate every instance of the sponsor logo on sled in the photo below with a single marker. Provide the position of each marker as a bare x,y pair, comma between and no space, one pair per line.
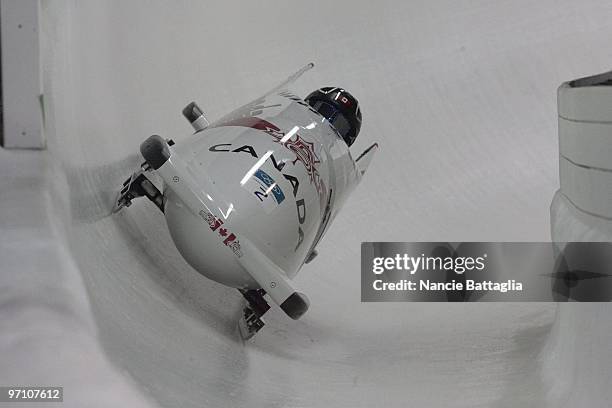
265,190
270,185
229,239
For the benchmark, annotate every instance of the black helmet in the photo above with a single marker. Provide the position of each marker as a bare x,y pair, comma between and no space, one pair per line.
340,108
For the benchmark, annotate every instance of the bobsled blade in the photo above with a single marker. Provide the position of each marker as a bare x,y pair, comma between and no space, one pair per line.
124,198
244,331
249,324
365,158
138,185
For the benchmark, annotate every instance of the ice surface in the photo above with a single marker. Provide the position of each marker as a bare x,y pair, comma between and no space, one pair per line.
461,97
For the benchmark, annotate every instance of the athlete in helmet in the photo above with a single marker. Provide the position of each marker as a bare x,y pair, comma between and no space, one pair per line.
340,108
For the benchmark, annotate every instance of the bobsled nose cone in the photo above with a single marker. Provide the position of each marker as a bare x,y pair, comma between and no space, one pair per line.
155,151
295,305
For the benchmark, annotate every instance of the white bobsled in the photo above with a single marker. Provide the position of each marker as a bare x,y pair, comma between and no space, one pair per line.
248,197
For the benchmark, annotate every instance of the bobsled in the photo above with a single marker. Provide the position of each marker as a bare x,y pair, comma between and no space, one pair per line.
248,198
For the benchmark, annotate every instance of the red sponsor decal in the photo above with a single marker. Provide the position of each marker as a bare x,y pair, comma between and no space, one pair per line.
230,240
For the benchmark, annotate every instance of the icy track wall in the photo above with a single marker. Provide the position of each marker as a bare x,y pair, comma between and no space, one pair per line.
461,96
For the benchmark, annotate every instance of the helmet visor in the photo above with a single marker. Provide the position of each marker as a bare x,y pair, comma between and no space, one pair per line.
334,117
